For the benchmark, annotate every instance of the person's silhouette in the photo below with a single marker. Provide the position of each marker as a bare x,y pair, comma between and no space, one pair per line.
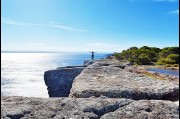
92,56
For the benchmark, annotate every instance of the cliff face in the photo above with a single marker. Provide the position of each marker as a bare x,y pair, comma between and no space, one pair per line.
102,89
59,82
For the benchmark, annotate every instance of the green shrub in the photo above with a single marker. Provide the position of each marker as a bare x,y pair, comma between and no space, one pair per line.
168,65
118,56
170,61
167,51
131,60
174,57
146,55
144,59
161,61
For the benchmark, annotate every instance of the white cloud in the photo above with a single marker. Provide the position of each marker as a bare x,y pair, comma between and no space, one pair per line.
11,22
66,28
174,12
44,25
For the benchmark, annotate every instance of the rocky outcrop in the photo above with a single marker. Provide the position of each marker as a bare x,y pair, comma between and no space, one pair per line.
87,108
59,82
89,62
101,89
108,78
156,75
145,109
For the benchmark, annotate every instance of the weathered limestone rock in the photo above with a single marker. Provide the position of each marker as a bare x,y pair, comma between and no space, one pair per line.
108,79
58,108
86,108
143,70
89,62
145,109
59,82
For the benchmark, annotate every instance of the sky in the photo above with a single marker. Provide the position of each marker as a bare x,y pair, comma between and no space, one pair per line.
88,25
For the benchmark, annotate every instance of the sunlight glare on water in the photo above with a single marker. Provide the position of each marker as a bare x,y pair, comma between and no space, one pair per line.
22,73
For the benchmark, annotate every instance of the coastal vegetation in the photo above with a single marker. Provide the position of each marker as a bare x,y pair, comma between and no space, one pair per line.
168,56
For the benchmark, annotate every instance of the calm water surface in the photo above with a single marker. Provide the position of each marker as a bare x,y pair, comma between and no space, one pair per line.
22,73
163,71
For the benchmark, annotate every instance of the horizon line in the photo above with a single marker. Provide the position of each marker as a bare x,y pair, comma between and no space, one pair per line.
10,51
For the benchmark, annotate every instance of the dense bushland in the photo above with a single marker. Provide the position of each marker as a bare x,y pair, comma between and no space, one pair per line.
150,55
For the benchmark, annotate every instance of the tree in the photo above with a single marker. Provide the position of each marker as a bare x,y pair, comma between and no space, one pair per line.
167,51
133,48
146,55
145,48
144,59
163,54
172,59
118,56
161,61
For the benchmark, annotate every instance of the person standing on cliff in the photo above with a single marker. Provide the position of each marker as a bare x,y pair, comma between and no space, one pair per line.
92,56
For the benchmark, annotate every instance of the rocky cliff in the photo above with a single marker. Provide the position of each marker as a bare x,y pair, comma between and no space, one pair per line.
108,78
86,108
102,89
59,82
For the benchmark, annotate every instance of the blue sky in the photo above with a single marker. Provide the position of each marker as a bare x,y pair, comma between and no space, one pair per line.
84,25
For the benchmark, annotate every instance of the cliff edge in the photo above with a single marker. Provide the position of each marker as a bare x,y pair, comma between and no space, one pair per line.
102,89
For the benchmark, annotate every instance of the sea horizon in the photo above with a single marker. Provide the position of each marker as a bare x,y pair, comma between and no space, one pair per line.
23,73
54,52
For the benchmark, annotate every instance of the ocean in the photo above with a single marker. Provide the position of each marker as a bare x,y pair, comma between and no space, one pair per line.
22,73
